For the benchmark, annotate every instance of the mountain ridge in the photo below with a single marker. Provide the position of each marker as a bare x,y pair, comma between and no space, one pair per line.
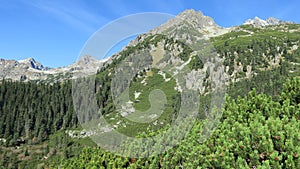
30,69
258,22
187,26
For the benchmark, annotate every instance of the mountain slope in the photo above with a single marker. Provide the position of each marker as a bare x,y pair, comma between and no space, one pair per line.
252,58
263,58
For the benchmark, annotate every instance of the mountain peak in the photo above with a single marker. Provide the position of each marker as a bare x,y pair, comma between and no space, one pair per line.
86,59
27,60
191,12
31,62
258,22
196,18
190,20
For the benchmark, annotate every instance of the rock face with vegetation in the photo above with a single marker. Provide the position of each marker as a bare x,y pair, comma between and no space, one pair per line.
260,123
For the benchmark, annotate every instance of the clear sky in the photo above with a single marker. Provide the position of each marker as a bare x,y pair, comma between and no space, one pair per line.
54,32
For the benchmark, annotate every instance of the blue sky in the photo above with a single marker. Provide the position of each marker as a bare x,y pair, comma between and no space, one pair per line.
54,32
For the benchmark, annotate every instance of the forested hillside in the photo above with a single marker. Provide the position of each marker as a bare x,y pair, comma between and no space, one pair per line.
260,58
260,123
256,132
32,112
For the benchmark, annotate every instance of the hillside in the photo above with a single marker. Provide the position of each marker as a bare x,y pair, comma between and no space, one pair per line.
257,67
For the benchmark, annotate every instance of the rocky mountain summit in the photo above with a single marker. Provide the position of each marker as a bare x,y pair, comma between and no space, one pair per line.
25,64
258,22
17,70
194,19
188,26
31,62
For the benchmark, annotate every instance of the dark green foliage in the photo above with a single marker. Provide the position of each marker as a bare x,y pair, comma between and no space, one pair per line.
260,48
255,131
196,63
33,111
267,82
185,54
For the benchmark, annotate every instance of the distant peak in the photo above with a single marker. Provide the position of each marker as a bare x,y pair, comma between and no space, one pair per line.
258,22
189,12
31,62
257,18
30,59
86,59
189,20
196,19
